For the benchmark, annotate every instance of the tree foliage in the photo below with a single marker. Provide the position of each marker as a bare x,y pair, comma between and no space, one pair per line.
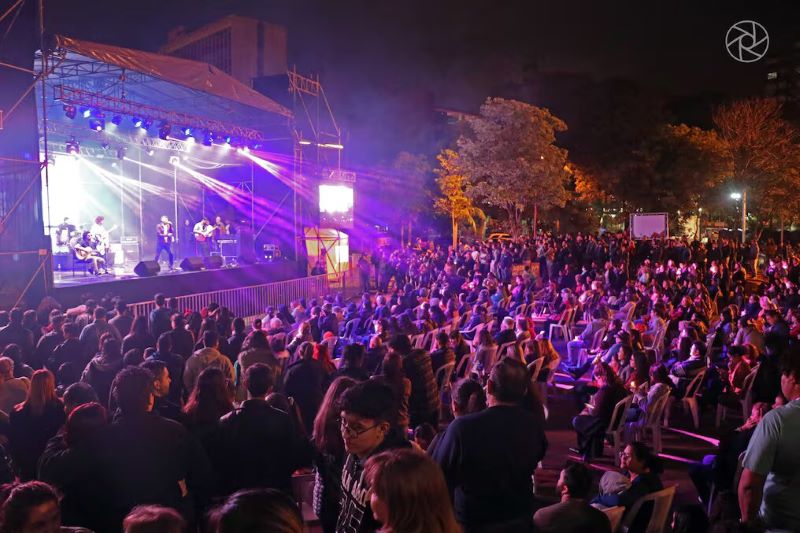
511,160
454,201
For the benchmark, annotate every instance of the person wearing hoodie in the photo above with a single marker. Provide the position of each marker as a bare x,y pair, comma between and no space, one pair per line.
205,357
103,368
256,350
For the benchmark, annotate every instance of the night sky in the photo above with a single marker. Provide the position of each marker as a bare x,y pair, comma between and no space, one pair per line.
380,61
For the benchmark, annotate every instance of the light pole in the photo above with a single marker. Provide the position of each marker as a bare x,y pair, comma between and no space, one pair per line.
743,197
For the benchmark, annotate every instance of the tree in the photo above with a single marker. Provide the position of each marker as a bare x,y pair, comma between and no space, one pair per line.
762,149
454,201
511,160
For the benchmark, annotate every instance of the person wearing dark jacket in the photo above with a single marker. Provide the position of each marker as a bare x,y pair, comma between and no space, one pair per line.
48,342
259,446
182,339
235,341
69,463
100,371
159,319
16,333
443,354
368,412
305,381
424,401
162,381
488,458
69,351
590,425
643,468
175,366
352,363
147,459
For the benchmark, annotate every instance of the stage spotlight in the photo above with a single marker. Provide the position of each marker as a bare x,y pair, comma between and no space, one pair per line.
137,122
190,140
147,123
97,124
150,152
73,147
86,112
69,110
186,130
164,130
174,160
208,138
116,120
227,139
121,152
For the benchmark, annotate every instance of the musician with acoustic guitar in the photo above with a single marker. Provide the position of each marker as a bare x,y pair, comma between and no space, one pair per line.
84,250
203,233
165,232
101,235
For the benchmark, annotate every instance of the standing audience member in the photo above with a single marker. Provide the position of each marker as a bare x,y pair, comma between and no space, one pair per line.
92,334
12,390
207,357
149,459
139,337
572,514
153,519
329,457
101,370
768,489
69,351
174,364
259,445
182,339
211,399
408,493
489,457
304,381
368,412
159,320
48,342
467,397
123,319
32,507
392,375
352,364
16,333
34,421
235,341
257,510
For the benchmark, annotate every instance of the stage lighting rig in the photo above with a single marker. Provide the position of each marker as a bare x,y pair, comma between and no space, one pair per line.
186,130
137,122
121,151
147,123
86,112
98,122
70,111
208,138
116,120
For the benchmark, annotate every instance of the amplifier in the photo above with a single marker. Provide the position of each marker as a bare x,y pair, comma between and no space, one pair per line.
228,247
130,249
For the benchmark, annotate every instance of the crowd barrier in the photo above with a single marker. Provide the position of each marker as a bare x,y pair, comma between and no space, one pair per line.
252,300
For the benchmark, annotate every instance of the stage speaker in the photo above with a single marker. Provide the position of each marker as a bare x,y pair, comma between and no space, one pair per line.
192,264
147,268
213,262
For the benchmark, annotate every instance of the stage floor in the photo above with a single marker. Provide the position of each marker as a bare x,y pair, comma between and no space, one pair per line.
71,289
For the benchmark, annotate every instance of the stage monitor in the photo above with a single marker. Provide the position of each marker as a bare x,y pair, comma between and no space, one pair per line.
336,206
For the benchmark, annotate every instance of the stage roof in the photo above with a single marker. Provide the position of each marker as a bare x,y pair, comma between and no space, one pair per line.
170,83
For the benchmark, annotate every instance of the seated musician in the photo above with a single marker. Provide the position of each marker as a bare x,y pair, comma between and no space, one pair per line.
84,249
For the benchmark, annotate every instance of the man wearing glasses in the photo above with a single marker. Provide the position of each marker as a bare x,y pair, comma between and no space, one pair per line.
369,412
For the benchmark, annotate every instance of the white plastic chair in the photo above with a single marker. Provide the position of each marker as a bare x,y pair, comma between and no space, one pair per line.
616,427
562,326
652,422
662,502
689,401
614,515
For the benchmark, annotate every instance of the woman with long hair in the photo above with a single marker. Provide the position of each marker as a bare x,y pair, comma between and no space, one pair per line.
392,374
486,352
211,398
329,459
590,425
103,368
408,493
467,397
138,337
34,421
323,355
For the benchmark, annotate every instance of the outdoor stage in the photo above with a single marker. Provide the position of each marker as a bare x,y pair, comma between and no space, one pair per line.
72,290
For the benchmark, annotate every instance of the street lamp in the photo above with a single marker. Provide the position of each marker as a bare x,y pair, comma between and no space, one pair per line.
743,197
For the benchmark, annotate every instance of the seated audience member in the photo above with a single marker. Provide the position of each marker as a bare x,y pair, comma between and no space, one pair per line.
153,519
408,493
259,447
12,390
33,422
643,468
330,454
68,463
443,354
78,394
488,458
149,459
255,510
352,365
32,507
591,424
572,514
368,412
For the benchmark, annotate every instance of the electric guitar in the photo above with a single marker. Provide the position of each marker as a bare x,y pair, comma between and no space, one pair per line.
202,235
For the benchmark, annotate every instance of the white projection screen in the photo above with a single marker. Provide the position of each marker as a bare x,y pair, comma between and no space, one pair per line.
649,226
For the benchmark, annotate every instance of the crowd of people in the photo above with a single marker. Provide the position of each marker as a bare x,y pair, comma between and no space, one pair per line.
418,407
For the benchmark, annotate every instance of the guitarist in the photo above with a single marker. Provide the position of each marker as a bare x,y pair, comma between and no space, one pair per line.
203,232
84,250
165,232
101,236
